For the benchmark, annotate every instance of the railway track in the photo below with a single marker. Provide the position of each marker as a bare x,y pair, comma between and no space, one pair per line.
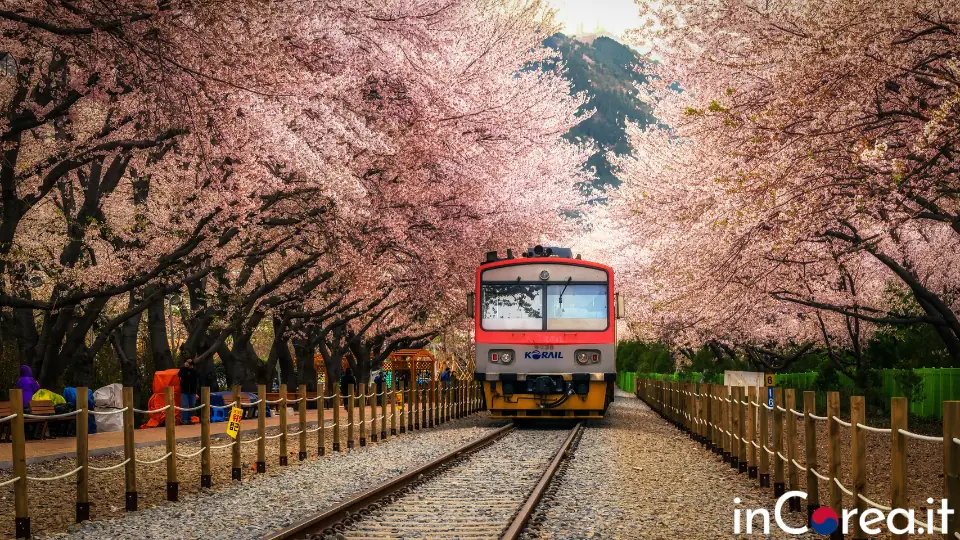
488,488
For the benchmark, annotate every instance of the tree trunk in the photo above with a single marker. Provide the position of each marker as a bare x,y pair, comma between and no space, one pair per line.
306,369
125,347
157,326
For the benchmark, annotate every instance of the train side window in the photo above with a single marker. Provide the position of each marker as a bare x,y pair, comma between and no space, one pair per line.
470,301
621,310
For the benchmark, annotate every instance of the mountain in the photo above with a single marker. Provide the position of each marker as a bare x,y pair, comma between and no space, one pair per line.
607,71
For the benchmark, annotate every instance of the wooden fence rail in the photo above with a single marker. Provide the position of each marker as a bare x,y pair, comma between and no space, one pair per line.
714,415
462,397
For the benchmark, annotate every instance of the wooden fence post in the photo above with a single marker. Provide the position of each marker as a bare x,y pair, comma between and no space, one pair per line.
425,407
393,408
206,476
236,473
375,420
779,484
363,414
383,410
718,419
413,422
261,429
898,461
351,403
697,426
704,416
283,424
129,452
751,432
706,392
302,410
858,465
793,474
951,463
727,424
833,452
810,453
742,427
321,419
734,428
432,403
83,475
418,412
336,419
404,405
170,422
446,403
763,440
19,454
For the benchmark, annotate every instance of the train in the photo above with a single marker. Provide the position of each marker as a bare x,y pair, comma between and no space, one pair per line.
545,334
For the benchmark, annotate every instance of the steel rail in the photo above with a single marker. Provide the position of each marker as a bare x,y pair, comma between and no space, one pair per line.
344,510
519,522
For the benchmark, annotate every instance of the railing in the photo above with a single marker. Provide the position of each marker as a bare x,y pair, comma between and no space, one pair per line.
735,424
432,404
937,384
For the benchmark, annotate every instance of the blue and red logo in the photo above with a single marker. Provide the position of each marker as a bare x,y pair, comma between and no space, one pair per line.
824,520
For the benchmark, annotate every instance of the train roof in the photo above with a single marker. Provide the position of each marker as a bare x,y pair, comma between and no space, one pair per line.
542,260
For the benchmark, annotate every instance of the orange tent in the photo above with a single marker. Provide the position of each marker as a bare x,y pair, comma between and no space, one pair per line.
161,380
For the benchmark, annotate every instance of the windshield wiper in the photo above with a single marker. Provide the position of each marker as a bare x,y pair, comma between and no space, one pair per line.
560,299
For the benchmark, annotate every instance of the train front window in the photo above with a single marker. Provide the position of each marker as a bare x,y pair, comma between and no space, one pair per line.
577,307
511,307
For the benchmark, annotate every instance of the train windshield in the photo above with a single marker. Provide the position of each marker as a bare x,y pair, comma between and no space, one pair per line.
521,307
577,307
511,307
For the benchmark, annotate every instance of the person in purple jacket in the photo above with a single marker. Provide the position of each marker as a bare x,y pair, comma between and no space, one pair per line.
28,384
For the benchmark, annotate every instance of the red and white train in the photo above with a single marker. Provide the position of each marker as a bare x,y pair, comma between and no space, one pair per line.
545,331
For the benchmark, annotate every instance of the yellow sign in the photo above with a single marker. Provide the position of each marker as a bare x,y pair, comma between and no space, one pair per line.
768,379
233,426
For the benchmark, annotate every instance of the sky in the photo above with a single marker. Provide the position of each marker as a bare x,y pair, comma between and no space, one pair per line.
614,16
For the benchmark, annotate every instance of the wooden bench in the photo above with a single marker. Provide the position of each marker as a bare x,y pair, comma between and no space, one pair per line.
5,411
37,407
40,407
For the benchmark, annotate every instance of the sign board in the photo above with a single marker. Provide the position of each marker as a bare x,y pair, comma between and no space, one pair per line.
769,379
742,378
770,396
233,426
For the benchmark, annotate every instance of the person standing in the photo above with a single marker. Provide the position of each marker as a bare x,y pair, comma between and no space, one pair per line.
445,377
189,386
348,383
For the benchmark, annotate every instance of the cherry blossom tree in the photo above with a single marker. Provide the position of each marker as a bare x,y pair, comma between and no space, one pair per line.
328,172
807,176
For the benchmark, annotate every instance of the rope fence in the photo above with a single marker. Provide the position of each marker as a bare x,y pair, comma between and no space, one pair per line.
762,440
430,407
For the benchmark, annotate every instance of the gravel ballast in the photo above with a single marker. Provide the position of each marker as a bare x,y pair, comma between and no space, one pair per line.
451,505
260,504
634,475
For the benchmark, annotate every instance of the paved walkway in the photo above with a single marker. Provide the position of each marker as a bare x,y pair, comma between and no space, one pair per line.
105,443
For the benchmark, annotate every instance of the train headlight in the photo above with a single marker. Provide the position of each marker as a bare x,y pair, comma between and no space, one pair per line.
587,356
502,356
